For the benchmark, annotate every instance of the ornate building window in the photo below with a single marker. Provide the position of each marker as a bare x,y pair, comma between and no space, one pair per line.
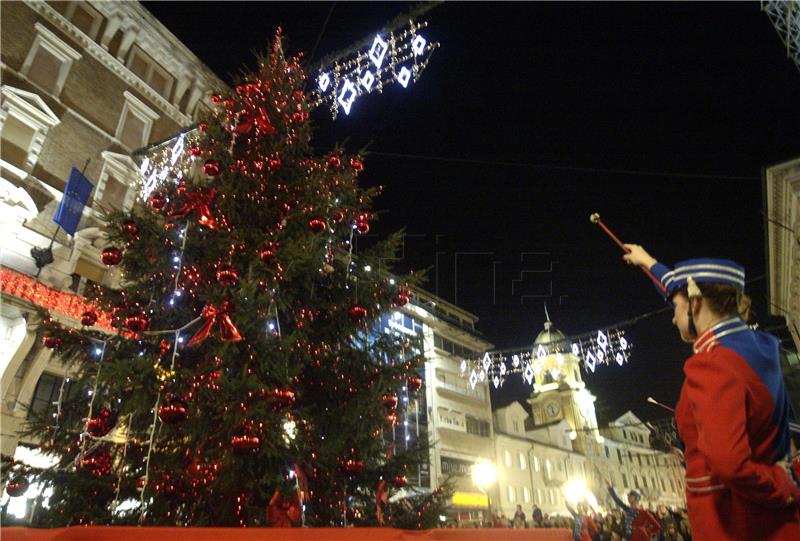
85,17
135,122
49,60
24,122
150,72
115,185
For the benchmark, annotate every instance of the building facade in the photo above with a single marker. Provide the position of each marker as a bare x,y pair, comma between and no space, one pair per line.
549,447
84,85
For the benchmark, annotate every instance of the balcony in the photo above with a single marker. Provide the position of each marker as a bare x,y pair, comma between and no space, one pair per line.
460,390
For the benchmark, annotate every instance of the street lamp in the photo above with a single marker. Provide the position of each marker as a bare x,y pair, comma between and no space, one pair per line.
484,474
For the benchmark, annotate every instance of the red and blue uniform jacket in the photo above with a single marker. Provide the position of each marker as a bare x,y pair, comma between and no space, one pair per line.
733,417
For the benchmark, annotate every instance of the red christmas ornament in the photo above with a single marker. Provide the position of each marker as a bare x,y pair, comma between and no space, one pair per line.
211,168
216,99
353,466
268,252
88,318
137,322
52,342
317,224
298,116
173,410
130,229
413,383
389,401
157,201
244,441
227,276
97,463
195,151
362,226
400,481
391,418
339,215
334,161
275,163
102,424
403,297
111,256
17,486
282,399
202,127
356,165
358,313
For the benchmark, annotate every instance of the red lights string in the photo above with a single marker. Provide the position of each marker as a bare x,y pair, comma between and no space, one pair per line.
30,289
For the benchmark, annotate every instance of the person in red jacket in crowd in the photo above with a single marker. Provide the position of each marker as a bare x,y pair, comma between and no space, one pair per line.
640,524
733,415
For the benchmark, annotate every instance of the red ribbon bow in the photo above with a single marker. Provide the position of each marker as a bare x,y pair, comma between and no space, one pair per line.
227,330
283,512
199,201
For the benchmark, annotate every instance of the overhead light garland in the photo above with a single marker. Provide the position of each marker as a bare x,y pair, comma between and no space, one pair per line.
391,58
604,347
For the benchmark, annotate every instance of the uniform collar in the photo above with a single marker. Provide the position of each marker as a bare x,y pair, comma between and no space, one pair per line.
709,339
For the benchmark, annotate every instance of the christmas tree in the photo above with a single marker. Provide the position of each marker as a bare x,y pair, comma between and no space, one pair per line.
246,374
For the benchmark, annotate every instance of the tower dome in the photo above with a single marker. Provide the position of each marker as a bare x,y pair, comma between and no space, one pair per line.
549,335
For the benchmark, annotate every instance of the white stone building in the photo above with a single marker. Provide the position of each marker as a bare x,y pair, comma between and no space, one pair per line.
80,81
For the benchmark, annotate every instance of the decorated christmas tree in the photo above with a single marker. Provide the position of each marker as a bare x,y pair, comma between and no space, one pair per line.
240,373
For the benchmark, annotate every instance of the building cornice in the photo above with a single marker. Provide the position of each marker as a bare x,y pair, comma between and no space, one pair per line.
108,60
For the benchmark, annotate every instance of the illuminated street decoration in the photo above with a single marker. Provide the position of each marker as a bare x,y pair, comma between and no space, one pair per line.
399,57
602,347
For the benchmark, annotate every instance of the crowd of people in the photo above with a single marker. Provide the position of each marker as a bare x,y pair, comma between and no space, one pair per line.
611,526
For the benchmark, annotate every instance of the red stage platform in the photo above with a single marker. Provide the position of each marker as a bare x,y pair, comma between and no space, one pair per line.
119,533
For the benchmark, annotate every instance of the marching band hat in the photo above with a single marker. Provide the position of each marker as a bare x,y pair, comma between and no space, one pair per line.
635,494
708,270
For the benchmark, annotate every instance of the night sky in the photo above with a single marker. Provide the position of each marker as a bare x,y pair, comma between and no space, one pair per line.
529,118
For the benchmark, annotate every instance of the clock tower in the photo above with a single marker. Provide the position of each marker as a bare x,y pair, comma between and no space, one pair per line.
559,391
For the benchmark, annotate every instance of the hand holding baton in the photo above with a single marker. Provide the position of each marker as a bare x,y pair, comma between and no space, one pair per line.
595,219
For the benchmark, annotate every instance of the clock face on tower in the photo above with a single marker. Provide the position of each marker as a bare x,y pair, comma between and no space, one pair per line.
552,408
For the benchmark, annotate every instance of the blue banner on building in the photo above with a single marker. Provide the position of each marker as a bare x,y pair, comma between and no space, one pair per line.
75,196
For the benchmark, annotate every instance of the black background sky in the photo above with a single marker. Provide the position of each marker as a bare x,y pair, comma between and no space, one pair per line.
531,116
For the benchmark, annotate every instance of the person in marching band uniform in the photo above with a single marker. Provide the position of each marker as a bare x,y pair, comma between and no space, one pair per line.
733,414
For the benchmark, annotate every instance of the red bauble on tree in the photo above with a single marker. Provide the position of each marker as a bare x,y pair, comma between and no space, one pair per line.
403,297
263,124
216,99
211,168
98,462
334,161
268,252
173,410
157,201
244,441
195,151
358,313
413,383
101,424
131,230
281,399
389,402
356,165
137,322
391,418
17,486
111,256
400,481
317,224
52,342
361,226
227,276
275,163
88,318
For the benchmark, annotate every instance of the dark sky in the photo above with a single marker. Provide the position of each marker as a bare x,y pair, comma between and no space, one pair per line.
659,116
